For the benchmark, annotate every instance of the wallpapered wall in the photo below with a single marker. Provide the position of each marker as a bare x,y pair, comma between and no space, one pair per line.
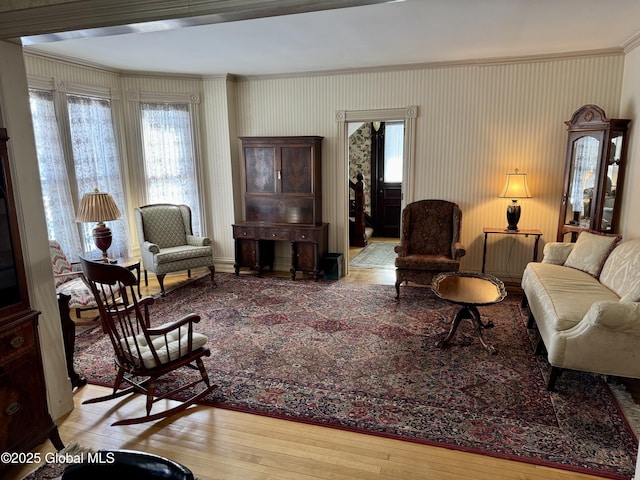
475,123
360,161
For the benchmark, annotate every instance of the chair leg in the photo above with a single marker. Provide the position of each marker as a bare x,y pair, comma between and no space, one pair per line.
212,269
151,391
398,289
146,278
160,278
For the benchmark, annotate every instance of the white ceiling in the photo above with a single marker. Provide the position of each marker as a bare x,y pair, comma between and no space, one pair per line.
400,33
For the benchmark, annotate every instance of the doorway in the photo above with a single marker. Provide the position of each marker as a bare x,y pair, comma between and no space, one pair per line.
376,156
344,118
386,180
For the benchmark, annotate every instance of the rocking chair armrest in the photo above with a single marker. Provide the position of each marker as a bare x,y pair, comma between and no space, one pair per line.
167,327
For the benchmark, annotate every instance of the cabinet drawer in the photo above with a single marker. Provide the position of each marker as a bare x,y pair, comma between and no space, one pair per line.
272,233
241,231
16,341
307,235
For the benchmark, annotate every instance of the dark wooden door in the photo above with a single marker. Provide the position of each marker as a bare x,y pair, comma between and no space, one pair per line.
386,181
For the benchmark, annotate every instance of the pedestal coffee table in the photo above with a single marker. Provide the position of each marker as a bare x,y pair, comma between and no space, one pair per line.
469,290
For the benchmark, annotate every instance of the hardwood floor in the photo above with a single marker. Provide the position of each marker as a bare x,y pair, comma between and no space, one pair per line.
222,444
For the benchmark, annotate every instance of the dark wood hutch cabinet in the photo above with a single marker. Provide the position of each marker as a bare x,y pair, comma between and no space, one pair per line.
594,173
282,182
25,421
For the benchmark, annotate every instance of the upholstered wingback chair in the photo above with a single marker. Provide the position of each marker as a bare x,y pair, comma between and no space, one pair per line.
429,241
167,243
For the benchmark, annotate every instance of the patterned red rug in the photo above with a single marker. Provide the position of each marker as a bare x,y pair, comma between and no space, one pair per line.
350,356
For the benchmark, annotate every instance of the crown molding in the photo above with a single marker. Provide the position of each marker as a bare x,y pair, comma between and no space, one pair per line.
378,69
632,43
444,64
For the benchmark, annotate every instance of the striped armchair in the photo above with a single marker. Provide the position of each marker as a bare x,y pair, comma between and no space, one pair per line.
69,281
167,243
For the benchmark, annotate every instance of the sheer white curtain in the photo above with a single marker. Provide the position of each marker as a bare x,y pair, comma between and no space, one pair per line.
97,164
65,176
169,159
56,191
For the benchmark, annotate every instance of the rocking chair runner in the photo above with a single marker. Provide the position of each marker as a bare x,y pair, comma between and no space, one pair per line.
144,354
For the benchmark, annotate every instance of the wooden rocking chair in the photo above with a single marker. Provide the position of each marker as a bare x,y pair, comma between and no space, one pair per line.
144,354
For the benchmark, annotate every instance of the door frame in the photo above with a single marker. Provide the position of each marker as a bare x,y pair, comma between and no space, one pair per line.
343,118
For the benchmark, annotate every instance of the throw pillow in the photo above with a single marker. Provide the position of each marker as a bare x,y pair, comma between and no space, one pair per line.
590,252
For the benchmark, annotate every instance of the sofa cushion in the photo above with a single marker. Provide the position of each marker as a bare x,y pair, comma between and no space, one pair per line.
564,294
620,272
591,251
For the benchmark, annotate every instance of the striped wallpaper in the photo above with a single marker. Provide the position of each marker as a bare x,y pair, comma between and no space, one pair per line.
475,123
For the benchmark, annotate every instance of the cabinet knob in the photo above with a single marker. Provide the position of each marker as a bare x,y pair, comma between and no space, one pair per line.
12,408
274,235
244,233
17,341
303,236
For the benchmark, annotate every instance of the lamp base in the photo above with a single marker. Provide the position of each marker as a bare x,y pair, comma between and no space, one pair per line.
513,215
102,238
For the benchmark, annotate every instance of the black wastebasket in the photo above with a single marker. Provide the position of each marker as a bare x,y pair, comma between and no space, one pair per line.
332,266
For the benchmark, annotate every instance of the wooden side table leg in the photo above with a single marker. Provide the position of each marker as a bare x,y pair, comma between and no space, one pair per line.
479,326
69,338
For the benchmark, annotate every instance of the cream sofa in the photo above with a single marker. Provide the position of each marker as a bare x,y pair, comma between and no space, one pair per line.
584,299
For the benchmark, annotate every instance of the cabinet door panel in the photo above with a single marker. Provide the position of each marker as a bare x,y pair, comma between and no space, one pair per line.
297,175
22,411
259,169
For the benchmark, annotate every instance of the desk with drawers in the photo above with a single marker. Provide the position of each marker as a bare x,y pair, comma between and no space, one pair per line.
255,242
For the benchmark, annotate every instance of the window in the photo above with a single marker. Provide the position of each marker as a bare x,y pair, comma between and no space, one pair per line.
170,172
89,160
393,151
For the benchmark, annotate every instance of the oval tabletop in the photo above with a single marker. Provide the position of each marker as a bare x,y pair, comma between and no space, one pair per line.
468,288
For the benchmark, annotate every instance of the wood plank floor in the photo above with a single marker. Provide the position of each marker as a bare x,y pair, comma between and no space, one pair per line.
222,444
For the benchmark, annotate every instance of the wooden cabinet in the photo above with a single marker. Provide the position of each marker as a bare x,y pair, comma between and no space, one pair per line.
25,421
283,180
594,173
283,203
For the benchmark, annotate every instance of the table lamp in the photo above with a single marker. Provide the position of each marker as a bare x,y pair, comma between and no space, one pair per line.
516,187
99,207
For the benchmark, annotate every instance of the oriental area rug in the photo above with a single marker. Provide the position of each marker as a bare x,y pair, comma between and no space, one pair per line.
350,356
375,255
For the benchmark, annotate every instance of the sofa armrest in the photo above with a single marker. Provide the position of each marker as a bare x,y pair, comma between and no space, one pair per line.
556,252
150,247
196,241
621,317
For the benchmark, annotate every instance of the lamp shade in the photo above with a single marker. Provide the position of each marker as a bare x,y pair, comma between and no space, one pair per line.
97,207
516,186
